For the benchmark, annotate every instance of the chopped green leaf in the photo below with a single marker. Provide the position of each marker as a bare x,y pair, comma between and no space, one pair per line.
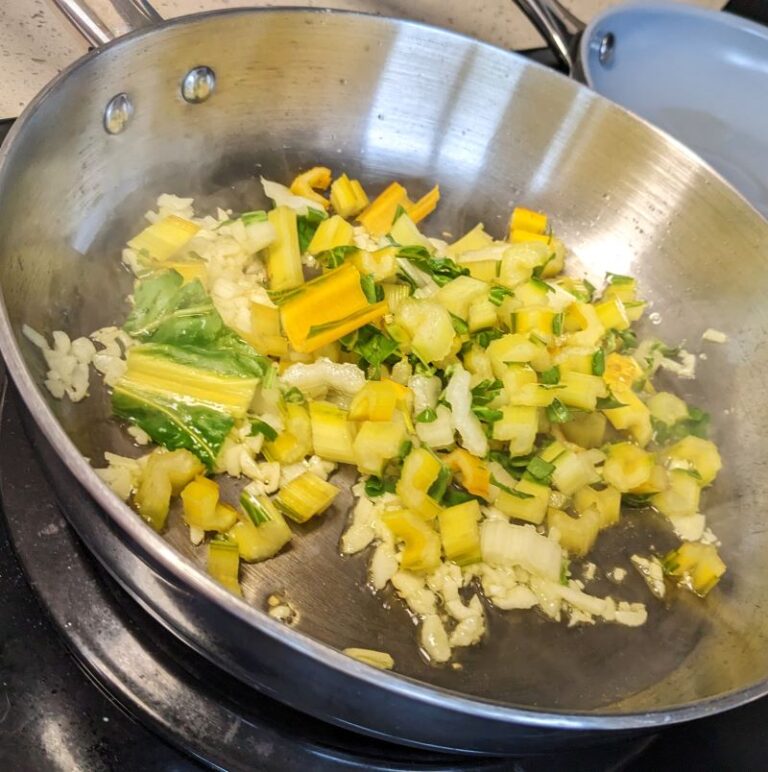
426,416
307,224
294,395
368,285
376,486
173,423
697,424
542,285
250,217
262,427
454,496
497,295
598,362
608,403
440,485
441,269
486,391
540,470
539,269
374,347
550,377
636,500
558,413
459,325
617,278
168,311
484,337
487,414
558,322
333,258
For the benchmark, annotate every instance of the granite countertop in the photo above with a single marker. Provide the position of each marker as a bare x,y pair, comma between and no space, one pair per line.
36,43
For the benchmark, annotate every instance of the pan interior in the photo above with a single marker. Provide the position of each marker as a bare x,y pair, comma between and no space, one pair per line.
384,100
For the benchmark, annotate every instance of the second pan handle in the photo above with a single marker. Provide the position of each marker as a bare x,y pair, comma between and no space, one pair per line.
558,26
100,21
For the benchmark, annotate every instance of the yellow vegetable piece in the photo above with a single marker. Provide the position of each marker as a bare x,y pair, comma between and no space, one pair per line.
331,233
261,531
681,497
424,206
332,433
378,217
612,314
421,552
634,417
585,429
165,474
696,566
319,177
525,237
607,502
621,372
471,241
376,442
527,220
702,455
534,319
460,533
164,238
376,401
356,320
224,563
199,499
381,264
580,390
323,303
283,254
295,441
627,466
518,425
153,374
420,469
472,473
306,496
530,505
577,534
347,196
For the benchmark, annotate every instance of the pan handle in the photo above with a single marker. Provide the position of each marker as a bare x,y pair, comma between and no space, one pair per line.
100,21
558,26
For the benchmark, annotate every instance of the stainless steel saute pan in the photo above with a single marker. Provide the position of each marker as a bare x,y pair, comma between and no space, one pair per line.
389,99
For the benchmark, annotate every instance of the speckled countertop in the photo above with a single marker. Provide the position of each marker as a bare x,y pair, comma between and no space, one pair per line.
36,42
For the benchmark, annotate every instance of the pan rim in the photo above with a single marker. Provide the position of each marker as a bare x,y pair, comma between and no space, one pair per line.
186,573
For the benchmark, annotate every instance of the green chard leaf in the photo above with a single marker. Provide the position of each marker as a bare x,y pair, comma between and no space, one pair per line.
426,416
608,403
440,485
459,325
173,423
598,362
262,427
333,258
374,347
540,471
306,225
486,391
550,377
697,424
441,269
498,293
294,395
376,486
558,413
168,311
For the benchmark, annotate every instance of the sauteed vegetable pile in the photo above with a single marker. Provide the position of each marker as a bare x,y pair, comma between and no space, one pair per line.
499,411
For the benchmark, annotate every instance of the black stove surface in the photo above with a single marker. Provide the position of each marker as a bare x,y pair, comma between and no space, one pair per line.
65,707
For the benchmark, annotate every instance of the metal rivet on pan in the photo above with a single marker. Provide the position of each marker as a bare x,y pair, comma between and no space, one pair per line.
198,84
117,113
605,48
